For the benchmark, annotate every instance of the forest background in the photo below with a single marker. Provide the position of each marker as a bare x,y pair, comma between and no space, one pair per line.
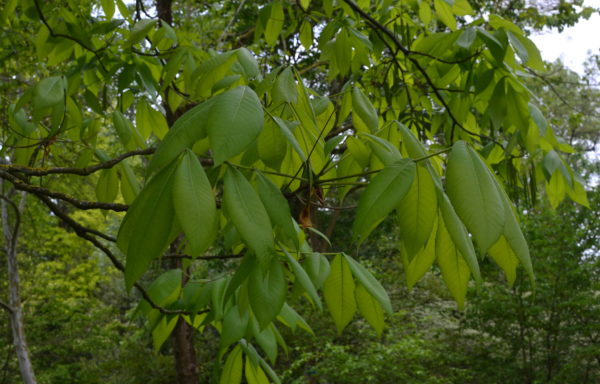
83,324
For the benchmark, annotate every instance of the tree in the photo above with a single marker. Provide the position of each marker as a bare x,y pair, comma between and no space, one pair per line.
229,133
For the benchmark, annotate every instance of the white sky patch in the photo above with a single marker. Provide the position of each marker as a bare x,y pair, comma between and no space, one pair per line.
574,43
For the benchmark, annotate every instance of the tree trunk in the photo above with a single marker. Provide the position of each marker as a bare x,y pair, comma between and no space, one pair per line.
186,363
14,297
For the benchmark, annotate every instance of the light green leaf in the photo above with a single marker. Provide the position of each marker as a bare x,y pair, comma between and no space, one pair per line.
455,270
381,196
234,122
232,370
370,283
338,292
194,203
474,195
248,214
267,289
370,308
363,107
417,211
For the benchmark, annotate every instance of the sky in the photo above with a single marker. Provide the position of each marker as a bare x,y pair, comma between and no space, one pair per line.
572,45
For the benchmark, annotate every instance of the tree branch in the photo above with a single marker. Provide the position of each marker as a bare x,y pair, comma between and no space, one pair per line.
73,170
85,233
81,204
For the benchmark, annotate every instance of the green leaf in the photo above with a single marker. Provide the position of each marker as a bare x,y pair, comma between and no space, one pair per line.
108,6
317,267
303,279
289,317
381,196
503,255
255,374
164,290
232,370
189,128
146,229
290,137
516,240
420,263
417,211
278,210
234,122
267,289
518,47
49,92
163,330
370,283
194,203
459,235
538,118
234,327
306,34
248,214
268,342
338,292
370,308
444,13
108,185
578,194
140,30
284,89
248,63
363,107
474,195
455,270
275,23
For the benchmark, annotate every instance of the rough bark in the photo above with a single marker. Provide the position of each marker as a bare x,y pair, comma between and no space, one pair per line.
186,362
14,298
